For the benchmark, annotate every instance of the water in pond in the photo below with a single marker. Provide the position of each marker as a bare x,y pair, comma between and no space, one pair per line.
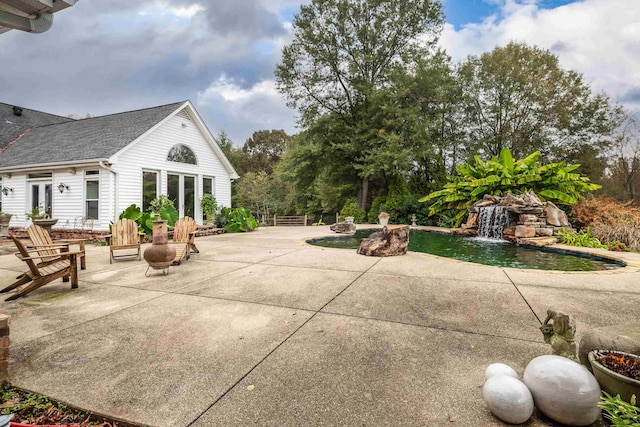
483,251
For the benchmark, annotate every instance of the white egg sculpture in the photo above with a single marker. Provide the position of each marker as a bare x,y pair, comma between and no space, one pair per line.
496,369
563,390
508,399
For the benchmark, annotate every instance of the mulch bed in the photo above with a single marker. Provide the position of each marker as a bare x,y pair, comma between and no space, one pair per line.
36,409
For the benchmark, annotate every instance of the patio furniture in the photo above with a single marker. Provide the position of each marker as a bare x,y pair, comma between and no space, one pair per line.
39,274
46,247
124,235
184,234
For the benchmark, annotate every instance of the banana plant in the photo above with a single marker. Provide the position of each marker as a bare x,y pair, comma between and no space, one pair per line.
499,175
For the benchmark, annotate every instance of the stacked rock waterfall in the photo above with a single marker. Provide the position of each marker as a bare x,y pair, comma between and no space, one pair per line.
516,218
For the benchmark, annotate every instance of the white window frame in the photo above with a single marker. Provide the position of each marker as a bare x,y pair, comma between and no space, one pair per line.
213,184
91,177
158,192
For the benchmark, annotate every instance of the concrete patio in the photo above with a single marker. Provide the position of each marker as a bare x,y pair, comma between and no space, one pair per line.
264,329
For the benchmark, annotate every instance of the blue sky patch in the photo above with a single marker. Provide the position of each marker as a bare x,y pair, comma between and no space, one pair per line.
461,12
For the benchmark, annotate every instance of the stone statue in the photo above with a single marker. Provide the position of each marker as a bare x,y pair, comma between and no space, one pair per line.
560,334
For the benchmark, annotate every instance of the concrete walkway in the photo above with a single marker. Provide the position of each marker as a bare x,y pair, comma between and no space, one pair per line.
263,329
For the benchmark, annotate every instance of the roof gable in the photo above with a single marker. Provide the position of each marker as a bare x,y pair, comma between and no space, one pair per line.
94,138
187,112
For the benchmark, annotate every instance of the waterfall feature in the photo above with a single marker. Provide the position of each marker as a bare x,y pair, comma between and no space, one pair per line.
491,221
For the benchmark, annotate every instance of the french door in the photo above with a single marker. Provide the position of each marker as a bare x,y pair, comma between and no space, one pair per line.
181,189
40,195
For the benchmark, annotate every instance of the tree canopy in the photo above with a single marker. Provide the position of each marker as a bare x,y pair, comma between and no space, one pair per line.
340,71
518,97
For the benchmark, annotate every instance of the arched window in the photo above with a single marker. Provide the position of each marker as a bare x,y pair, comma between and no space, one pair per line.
182,154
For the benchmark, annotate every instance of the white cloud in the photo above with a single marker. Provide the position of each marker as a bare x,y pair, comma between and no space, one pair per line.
164,8
236,109
230,91
598,38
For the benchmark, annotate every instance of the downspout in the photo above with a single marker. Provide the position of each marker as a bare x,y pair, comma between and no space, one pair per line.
105,165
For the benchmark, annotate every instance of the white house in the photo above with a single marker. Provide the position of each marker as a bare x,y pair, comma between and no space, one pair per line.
95,168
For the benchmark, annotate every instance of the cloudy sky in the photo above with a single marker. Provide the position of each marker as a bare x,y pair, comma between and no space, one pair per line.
106,56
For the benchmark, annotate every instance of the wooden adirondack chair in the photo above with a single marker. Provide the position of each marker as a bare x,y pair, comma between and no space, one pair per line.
124,235
41,273
43,244
184,234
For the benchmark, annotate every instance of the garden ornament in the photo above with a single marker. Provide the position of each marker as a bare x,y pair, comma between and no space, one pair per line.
560,334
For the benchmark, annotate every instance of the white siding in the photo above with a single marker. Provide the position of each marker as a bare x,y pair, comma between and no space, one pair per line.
66,206
150,153
69,204
15,202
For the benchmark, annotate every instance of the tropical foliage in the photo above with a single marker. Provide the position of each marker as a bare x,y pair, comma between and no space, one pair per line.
238,220
161,208
555,182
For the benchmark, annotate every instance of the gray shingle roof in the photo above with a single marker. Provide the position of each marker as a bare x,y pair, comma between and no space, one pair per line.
11,126
86,139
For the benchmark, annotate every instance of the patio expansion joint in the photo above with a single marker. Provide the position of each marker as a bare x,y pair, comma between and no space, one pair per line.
243,301
315,313
437,328
522,296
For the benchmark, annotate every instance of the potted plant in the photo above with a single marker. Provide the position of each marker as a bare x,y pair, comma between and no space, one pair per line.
36,213
383,218
39,217
209,207
162,207
617,372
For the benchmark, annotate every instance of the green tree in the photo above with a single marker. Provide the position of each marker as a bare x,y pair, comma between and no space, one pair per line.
624,179
518,97
264,150
339,71
234,154
252,191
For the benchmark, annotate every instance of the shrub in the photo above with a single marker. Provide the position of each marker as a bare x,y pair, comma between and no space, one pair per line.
609,220
351,208
377,206
583,239
239,220
554,182
209,206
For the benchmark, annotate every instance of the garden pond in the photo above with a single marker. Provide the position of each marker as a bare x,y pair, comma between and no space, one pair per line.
485,251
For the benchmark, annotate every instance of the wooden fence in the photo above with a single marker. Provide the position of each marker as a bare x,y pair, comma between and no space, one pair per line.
289,220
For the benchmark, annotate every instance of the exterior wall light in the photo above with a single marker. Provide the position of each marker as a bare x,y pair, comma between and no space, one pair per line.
63,187
7,190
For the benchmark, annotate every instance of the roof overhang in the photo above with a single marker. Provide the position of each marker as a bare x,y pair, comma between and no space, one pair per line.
58,165
34,16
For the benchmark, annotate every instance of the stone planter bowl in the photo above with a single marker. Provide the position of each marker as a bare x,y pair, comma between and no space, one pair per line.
612,382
